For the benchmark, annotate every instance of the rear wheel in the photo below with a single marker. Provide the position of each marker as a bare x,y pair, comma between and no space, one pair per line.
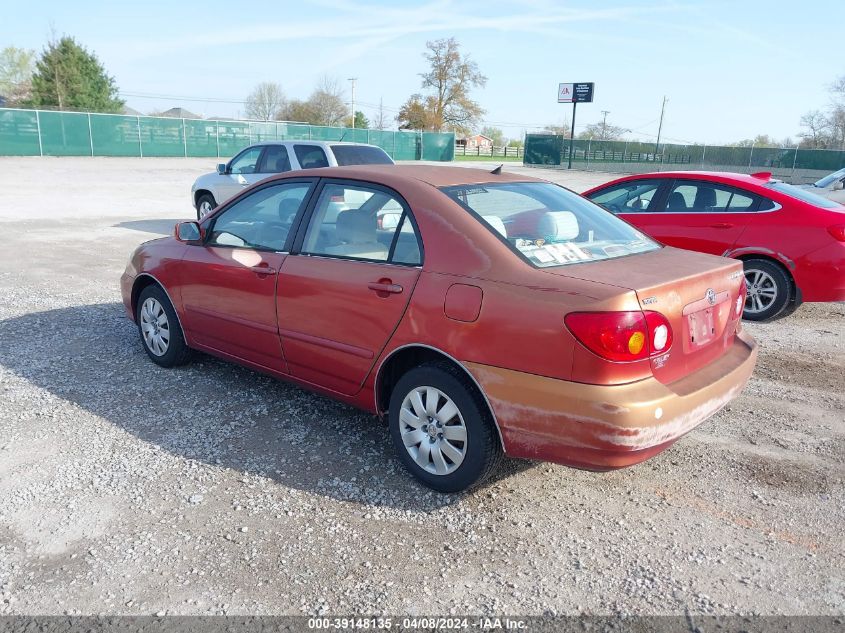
205,205
441,428
770,290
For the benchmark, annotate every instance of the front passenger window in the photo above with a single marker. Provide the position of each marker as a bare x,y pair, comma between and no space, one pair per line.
261,220
630,197
246,163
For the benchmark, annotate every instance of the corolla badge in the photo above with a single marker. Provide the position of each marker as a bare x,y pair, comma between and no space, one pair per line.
710,295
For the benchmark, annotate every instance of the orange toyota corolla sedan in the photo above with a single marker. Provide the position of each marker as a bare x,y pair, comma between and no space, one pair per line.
481,313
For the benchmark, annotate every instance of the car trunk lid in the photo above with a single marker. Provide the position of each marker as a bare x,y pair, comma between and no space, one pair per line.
697,293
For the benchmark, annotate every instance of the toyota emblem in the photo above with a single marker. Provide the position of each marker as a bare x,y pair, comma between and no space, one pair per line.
710,295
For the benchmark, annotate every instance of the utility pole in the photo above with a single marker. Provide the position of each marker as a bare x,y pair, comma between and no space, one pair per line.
353,80
660,127
604,124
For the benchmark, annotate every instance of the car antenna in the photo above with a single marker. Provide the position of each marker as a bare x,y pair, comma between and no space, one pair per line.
498,170
342,136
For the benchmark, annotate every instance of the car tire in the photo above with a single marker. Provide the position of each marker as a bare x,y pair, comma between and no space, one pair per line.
770,290
158,326
453,445
205,205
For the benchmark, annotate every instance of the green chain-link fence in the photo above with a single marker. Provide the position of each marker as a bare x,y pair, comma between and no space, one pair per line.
546,149
47,133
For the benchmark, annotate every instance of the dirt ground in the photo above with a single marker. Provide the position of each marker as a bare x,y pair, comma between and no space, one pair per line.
130,489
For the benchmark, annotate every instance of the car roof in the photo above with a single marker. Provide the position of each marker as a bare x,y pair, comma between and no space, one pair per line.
435,175
307,142
718,176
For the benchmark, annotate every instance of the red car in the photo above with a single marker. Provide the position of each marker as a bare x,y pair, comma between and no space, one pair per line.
480,313
790,240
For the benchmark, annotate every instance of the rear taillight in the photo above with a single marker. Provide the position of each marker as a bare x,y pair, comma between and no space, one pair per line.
838,232
739,305
621,336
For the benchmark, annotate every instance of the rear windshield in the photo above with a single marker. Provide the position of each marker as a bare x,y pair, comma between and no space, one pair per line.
549,225
360,155
828,180
802,194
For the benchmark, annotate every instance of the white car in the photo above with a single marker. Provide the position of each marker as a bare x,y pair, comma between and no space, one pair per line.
262,160
831,186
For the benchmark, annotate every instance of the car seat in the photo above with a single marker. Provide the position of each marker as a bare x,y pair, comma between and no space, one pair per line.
357,233
558,226
676,202
705,199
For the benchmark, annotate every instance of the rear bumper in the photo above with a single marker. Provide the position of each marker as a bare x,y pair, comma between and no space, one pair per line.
599,427
821,274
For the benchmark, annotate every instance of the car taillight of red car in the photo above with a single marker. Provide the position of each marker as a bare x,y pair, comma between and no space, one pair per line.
622,336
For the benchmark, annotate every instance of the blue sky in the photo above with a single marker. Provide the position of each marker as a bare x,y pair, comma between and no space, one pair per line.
730,69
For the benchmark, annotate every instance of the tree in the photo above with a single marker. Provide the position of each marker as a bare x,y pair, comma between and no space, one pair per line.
327,102
827,129
361,122
818,129
417,113
602,131
495,134
325,106
450,78
265,101
296,110
16,68
561,129
67,76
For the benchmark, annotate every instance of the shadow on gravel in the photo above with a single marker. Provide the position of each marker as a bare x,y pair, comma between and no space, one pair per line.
163,227
213,411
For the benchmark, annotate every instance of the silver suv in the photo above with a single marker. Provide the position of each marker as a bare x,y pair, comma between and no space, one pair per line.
261,160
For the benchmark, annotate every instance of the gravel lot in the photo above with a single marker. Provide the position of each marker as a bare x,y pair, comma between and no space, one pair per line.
130,489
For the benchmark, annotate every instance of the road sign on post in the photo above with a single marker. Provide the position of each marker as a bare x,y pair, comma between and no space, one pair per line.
574,93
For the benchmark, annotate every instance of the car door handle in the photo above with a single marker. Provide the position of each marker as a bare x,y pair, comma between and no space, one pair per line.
385,287
721,225
263,270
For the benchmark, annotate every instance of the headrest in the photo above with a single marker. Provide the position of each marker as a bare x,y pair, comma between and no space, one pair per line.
558,226
356,227
705,197
676,201
288,208
496,222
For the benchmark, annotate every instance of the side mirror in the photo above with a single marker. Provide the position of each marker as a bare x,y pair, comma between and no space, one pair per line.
188,232
221,169
839,185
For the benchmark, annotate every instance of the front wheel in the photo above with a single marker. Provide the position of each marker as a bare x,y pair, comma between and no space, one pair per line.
205,205
770,290
161,334
441,428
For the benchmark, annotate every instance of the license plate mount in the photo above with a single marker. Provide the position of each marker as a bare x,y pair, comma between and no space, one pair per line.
701,327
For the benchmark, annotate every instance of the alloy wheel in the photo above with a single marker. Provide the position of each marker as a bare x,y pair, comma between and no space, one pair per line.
762,291
205,208
155,327
433,430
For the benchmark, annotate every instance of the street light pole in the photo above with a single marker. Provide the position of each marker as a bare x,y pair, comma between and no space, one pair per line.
353,80
604,124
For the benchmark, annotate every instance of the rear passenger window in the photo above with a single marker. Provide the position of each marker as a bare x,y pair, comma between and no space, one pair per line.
310,156
705,197
357,222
